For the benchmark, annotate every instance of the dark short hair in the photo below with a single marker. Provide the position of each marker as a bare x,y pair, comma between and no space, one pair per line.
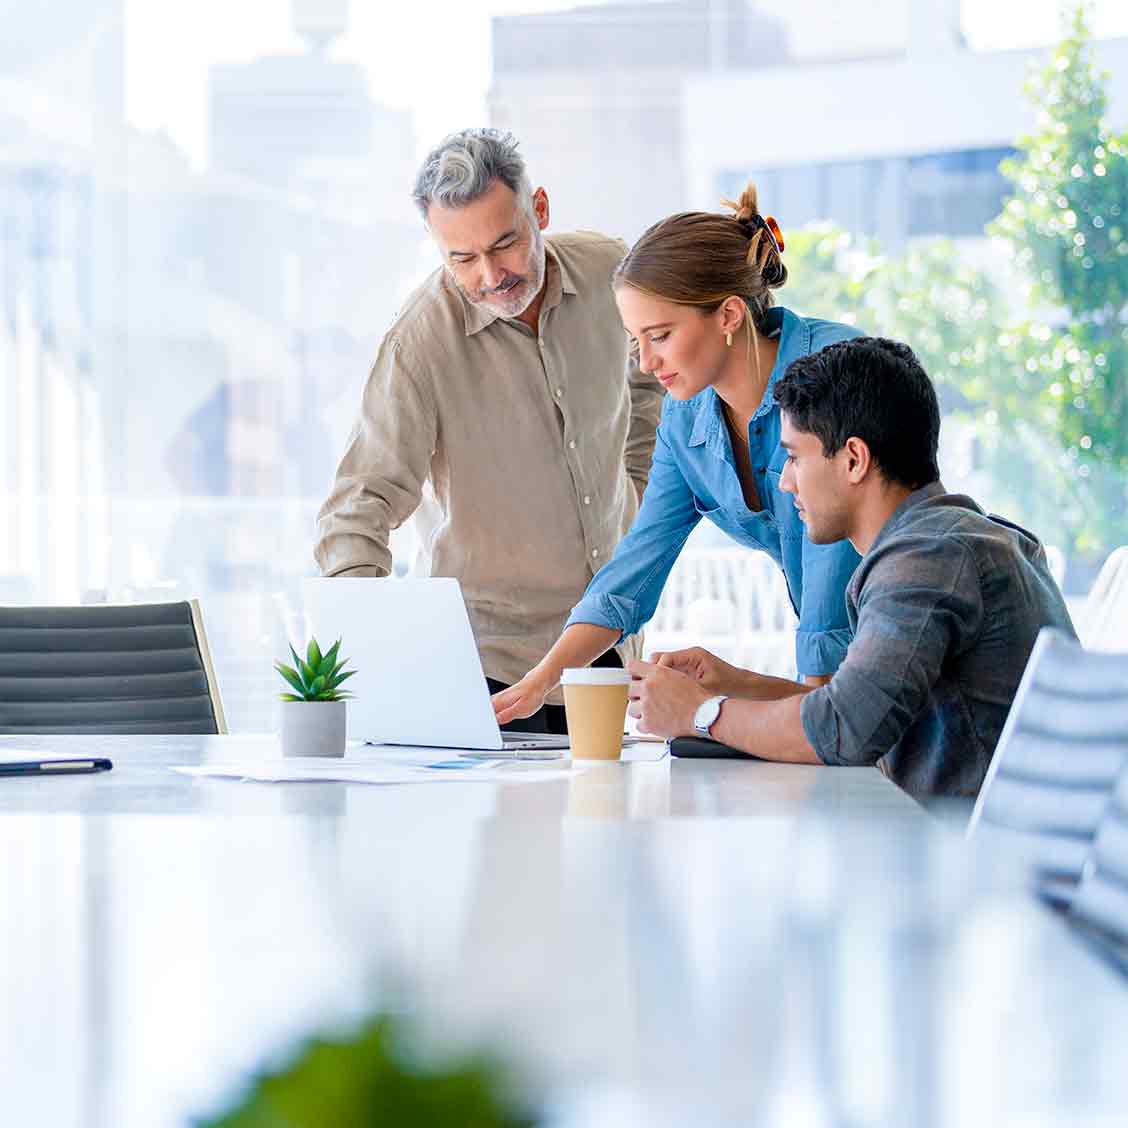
873,389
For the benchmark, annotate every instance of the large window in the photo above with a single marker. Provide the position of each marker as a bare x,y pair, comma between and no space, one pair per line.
205,227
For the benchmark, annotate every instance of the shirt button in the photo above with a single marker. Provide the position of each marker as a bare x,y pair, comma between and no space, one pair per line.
595,552
571,444
559,392
587,499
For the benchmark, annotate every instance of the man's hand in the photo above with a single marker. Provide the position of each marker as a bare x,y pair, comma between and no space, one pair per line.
717,676
663,700
710,672
521,700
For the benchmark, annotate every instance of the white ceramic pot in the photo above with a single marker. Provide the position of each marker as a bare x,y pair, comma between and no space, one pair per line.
313,728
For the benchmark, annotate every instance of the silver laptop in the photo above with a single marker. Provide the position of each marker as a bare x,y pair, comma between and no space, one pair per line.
419,679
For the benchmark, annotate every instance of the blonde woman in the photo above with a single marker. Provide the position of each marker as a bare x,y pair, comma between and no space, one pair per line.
696,294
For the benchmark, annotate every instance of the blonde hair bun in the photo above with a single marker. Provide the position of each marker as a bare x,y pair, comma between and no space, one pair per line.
763,253
747,207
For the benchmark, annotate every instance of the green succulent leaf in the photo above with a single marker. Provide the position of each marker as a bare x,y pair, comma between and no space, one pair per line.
289,697
290,676
313,655
302,669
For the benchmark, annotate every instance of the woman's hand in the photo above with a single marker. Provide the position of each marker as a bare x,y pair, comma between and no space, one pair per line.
523,699
710,672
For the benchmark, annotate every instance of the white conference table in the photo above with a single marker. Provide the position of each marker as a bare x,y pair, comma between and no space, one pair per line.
650,942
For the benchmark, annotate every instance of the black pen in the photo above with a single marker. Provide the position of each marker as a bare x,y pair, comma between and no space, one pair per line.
53,767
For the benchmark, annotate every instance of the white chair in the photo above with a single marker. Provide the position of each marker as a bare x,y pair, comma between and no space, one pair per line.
1101,900
1063,746
1103,624
731,601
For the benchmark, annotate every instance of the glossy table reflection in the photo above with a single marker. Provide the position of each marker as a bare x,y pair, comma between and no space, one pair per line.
655,943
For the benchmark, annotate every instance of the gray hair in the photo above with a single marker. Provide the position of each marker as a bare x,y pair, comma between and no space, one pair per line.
465,164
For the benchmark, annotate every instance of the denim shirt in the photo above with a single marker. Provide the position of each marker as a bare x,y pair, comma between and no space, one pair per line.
694,475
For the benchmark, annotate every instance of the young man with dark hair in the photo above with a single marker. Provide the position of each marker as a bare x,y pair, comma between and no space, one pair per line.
945,604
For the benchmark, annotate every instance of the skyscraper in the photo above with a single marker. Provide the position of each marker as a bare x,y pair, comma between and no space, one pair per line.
595,96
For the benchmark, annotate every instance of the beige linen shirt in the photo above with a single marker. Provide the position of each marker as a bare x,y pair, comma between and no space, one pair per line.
537,448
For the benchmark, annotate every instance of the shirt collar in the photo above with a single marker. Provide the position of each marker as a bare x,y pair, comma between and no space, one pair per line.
933,489
794,341
557,283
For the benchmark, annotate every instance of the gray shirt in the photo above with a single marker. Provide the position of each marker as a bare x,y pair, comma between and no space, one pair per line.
945,608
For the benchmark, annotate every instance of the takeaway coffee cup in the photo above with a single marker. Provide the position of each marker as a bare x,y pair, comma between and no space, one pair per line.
595,701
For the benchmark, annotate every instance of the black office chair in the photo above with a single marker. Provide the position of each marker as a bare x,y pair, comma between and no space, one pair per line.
1058,758
107,669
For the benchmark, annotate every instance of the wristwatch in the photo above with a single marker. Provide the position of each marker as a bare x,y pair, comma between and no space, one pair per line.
707,713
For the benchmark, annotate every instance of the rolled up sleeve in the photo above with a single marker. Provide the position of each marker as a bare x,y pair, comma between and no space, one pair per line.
624,593
380,479
919,602
824,632
646,408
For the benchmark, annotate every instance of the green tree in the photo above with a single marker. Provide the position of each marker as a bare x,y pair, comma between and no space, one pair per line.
1068,227
1037,364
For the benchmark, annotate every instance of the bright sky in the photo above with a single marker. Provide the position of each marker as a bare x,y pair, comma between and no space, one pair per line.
432,56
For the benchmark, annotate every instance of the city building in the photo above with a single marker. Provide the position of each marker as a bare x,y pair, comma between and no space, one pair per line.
901,144
595,96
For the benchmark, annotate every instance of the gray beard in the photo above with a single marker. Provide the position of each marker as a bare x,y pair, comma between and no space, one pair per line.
535,281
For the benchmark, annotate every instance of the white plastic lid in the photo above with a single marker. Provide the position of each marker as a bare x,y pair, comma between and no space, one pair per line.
595,675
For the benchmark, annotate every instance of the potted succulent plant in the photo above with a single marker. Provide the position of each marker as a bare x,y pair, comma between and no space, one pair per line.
313,718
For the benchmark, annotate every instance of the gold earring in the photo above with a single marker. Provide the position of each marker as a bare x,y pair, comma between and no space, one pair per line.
728,340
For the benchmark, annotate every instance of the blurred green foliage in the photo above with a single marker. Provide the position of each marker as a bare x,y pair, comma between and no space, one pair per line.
378,1077
1035,356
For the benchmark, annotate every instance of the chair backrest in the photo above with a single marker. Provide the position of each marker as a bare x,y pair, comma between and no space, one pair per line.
1103,622
1101,899
1060,753
750,582
134,668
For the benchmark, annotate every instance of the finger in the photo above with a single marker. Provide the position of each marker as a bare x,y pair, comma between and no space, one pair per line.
516,709
639,669
517,712
635,711
506,697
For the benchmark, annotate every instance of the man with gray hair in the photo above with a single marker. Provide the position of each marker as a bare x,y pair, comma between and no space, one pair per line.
505,382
